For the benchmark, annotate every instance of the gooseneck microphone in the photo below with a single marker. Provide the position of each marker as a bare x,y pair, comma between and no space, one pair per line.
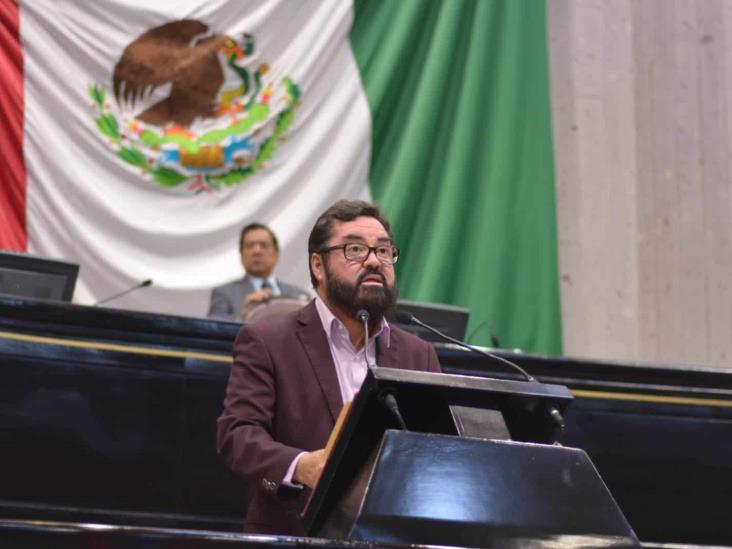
363,316
407,318
143,284
387,397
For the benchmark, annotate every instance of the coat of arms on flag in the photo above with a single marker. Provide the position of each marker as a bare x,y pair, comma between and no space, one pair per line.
187,104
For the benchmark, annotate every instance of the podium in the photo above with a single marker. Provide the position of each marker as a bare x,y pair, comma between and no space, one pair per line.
433,485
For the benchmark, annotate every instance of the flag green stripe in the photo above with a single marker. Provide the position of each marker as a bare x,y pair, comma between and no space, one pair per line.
462,157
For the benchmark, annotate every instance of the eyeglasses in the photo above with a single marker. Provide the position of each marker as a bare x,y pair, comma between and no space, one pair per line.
360,252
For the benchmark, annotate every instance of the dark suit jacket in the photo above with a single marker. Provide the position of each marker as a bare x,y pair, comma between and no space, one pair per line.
226,300
282,398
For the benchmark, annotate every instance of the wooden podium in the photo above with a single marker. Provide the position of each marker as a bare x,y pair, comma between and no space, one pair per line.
430,485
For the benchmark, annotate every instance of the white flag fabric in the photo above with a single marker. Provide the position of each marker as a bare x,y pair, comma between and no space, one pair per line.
140,137
155,130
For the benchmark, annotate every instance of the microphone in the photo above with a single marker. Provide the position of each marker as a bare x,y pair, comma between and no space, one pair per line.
407,318
364,317
143,284
386,397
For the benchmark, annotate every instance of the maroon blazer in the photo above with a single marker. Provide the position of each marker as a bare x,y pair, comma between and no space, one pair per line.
282,398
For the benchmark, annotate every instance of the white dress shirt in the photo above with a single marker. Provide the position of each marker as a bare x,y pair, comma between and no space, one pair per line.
271,280
350,363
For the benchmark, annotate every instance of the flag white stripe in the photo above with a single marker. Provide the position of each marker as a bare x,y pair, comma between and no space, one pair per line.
86,205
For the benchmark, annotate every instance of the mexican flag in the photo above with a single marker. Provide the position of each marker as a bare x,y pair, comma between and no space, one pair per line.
138,138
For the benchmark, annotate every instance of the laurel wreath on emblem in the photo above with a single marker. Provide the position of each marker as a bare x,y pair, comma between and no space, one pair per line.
216,122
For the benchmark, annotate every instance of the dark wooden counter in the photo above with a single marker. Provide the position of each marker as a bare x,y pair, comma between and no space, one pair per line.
108,416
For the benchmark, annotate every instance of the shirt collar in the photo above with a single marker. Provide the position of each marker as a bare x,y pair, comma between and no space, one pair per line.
330,323
258,281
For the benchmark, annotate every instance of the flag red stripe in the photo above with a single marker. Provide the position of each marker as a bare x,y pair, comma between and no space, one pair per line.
13,235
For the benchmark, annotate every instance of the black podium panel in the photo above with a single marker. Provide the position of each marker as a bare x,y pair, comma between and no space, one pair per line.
446,490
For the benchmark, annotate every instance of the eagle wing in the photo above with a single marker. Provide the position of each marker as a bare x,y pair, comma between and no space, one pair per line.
153,59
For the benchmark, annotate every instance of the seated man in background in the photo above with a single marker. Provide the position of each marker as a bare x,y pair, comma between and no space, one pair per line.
291,376
259,254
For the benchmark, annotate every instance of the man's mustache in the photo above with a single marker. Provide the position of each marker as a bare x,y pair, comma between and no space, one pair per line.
371,272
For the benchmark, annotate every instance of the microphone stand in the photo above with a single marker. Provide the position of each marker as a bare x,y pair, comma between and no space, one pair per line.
386,397
408,318
414,320
143,284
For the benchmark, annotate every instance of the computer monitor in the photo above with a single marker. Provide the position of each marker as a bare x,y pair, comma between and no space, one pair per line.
29,276
449,319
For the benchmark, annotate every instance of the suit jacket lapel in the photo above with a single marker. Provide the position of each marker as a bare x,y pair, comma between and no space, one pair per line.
311,335
247,286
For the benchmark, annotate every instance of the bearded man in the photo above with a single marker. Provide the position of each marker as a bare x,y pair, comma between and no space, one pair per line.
291,376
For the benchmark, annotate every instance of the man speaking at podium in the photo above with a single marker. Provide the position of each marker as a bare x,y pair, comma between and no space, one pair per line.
292,375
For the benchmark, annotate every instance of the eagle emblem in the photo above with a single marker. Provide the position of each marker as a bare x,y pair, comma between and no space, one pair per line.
189,105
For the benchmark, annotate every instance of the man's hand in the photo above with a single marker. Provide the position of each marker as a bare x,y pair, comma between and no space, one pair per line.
257,297
308,469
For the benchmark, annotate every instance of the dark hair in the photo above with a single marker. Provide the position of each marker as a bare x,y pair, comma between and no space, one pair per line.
343,210
253,226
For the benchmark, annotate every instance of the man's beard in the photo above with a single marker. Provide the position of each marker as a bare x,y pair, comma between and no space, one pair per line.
376,300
